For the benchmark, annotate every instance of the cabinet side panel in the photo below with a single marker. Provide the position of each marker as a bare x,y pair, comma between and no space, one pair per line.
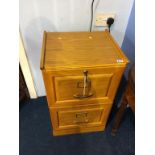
49,87
115,83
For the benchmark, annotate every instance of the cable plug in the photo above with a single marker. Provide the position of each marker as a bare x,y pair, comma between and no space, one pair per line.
110,21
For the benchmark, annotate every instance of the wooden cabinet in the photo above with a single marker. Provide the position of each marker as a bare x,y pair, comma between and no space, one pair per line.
81,72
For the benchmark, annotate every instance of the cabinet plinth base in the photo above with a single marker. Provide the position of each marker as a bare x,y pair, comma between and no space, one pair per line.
78,131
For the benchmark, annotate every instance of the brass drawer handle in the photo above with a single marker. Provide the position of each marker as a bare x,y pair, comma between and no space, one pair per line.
86,87
85,121
80,96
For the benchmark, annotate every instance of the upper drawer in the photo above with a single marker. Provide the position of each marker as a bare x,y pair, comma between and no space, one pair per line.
82,86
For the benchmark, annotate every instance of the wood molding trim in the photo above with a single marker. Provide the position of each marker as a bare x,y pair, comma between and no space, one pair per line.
26,69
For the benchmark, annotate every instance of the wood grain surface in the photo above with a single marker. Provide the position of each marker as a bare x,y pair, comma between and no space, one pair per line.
81,49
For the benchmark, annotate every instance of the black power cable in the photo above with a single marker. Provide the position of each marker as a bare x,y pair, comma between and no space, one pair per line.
92,14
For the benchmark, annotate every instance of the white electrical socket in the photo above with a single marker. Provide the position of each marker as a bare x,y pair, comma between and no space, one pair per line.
101,18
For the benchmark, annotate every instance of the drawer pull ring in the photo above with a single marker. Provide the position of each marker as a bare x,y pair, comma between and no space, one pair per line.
86,87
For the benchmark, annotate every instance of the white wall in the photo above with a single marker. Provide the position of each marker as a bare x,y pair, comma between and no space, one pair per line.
64,15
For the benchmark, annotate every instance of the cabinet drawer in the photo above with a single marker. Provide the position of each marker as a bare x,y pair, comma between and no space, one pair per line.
69,87
72,87
79,117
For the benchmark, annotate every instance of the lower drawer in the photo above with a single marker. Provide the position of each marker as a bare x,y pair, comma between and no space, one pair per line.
75,117
81,117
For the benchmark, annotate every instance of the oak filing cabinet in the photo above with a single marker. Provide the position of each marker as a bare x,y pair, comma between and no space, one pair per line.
81,72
